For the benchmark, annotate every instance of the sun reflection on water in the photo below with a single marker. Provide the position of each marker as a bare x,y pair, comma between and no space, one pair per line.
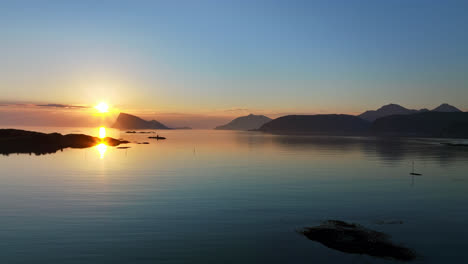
102,148
102,132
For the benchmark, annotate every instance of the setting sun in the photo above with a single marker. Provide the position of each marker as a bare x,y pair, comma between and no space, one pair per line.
102,107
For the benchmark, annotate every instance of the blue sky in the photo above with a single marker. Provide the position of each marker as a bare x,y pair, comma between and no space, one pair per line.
264,56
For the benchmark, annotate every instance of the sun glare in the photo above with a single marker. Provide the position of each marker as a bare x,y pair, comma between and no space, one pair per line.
102,132
102,149
102,107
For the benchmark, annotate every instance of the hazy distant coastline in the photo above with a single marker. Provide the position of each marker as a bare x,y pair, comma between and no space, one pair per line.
444,121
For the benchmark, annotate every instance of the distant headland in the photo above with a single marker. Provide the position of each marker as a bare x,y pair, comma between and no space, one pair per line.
444,121
245,123
127,121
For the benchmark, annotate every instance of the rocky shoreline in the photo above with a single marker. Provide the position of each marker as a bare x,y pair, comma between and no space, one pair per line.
30,142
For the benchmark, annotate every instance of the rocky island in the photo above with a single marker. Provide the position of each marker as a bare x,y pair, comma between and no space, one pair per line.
249,122
356,239
127,121
22,141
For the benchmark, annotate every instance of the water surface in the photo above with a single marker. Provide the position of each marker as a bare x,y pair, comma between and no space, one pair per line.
229,197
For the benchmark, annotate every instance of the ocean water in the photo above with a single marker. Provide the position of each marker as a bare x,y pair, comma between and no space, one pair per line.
205,196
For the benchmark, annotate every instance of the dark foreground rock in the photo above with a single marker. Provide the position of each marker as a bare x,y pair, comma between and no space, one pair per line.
22,141
356,239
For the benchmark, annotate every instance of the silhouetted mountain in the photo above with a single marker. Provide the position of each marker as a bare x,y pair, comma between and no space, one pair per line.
22,141
446,108
249,122
394,109
428,124
317,124
126,121
387,110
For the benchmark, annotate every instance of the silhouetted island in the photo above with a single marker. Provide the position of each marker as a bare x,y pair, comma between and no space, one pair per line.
356,239
317,125
126,121
429,124
22,141
445,121
249,122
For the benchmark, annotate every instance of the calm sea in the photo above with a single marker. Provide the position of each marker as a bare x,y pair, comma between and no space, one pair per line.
230,197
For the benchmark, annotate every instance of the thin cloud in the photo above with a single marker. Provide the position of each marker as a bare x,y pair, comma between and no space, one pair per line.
237,110
63,106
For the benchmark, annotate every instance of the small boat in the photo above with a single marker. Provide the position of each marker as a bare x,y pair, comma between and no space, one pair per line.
157,137
414,173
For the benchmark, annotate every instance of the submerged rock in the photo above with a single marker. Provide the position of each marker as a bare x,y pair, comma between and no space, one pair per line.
356,239
22,141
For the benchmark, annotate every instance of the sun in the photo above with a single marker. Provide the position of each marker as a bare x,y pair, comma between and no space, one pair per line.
102,107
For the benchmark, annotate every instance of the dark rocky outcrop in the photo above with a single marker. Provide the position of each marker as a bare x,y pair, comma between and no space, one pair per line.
22,141
336,125
126,121
356,239
249,122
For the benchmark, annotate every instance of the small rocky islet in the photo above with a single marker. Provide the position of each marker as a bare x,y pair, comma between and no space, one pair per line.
355,239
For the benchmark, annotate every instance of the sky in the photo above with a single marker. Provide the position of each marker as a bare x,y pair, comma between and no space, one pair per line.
200,62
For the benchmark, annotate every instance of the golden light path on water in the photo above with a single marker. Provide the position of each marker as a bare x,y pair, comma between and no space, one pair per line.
102,147
102,132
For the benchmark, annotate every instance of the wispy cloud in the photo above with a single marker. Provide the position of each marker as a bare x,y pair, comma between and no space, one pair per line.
236,110
62,106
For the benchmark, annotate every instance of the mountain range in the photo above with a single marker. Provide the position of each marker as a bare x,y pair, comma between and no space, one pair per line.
249,122
444,121
389,120
394,109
